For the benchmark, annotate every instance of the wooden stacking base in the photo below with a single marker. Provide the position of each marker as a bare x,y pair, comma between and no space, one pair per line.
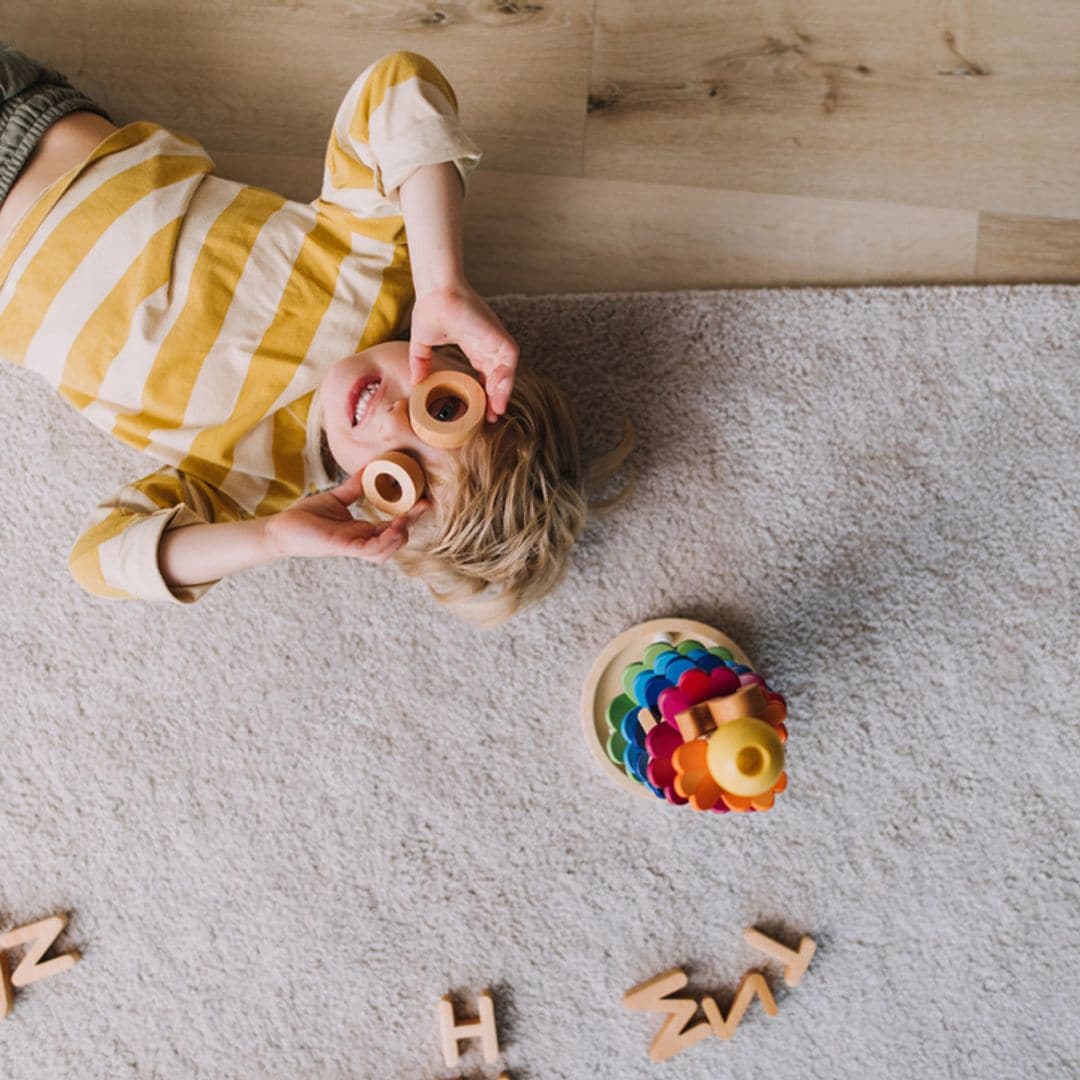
604,681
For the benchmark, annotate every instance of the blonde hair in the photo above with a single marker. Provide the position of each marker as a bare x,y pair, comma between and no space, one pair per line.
508,510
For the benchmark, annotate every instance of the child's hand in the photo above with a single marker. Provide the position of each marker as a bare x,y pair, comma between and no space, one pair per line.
321,525
458,315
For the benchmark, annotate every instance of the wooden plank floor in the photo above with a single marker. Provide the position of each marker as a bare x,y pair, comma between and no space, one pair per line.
646,145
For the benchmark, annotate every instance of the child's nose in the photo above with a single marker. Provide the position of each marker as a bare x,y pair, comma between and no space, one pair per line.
398,415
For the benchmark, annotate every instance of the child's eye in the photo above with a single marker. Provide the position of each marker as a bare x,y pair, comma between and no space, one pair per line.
446,408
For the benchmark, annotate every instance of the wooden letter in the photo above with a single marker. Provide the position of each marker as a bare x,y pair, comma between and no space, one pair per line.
651,996
42,933
753,982
5,987
483,1029
795,963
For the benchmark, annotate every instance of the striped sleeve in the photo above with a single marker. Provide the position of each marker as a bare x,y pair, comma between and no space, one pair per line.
116,555
400,114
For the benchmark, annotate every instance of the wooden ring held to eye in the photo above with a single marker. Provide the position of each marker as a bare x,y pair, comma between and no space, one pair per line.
393,483
447,434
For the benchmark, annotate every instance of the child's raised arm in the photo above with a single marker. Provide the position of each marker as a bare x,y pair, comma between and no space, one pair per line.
397,142
431,201
448,310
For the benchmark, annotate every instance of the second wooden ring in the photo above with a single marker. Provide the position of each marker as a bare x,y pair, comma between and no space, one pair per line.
394,482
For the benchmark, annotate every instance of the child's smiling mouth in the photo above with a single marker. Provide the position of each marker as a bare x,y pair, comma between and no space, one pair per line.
354,399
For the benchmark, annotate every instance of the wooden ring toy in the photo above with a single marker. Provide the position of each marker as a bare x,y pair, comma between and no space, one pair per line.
706,716
394,482
447,434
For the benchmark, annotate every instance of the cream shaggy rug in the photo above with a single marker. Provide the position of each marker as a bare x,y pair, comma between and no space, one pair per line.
285,821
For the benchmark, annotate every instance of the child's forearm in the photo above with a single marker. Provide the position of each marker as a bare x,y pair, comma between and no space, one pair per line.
197,554
431,202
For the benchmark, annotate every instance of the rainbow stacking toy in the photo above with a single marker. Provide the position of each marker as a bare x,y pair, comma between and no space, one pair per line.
673,708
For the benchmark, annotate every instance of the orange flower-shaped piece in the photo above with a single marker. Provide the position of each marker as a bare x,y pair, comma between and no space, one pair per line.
776,713
693,781
742,803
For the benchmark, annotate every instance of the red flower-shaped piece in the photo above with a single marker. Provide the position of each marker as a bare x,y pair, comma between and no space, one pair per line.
695,687
661,743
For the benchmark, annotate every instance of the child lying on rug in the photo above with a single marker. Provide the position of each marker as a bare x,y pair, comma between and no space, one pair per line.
221,329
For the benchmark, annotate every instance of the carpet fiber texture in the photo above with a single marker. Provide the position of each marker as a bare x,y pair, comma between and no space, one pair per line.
286,820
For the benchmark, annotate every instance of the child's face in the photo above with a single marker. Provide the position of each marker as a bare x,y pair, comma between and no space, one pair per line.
385,423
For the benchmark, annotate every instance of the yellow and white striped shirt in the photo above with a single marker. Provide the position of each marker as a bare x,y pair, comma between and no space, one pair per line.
194,317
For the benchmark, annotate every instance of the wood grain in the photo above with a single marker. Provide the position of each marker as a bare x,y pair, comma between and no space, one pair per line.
1018,250
644,145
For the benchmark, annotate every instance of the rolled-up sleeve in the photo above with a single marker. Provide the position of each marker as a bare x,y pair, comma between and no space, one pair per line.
399,114
116,554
